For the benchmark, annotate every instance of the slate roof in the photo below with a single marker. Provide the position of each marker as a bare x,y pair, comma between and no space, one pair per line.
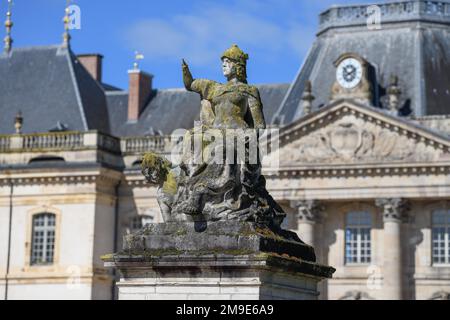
166,111
171,109
48,85
53,90
413,43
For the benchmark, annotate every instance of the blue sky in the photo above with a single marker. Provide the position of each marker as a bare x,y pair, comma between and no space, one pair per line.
276,33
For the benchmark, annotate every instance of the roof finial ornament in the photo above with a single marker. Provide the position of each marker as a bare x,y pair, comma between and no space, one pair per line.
18,122
307,98
66,20
137,56
394,92
8,24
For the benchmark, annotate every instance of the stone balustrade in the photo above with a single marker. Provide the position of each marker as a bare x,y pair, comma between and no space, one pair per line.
60,140
393,11
73,140
142,144
5,142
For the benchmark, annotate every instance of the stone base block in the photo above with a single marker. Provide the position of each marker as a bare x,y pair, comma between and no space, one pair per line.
219,261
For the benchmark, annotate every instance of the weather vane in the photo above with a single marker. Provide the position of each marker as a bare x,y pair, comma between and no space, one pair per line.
8,24
66,20
137,57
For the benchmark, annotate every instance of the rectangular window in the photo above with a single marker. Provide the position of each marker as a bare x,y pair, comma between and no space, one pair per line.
441,237
43,239
358,244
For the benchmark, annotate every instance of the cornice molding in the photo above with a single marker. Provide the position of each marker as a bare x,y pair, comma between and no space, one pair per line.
137,182
357,171
63,180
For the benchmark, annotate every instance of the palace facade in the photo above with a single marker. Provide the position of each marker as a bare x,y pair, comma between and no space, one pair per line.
364,158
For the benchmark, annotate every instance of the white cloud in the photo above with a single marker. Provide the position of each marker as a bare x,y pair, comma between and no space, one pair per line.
272,28
201,36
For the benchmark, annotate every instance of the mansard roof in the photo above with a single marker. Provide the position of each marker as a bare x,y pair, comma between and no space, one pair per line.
52,89
412,43
49,86
171,109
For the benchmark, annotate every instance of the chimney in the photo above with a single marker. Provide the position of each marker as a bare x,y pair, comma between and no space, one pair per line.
140,88
93,64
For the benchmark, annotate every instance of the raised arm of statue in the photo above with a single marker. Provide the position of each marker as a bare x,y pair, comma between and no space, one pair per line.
203,87
187,76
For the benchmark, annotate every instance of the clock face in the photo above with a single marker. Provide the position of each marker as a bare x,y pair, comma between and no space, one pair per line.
349,73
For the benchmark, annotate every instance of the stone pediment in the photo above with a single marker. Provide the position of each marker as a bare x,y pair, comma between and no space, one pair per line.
348,133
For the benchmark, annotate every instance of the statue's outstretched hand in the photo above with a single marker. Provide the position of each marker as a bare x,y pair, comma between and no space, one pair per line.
187,76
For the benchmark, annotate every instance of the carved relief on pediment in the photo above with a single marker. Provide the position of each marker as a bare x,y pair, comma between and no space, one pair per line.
352,139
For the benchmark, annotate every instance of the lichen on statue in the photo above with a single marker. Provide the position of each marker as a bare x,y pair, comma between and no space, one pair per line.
212,190
168,178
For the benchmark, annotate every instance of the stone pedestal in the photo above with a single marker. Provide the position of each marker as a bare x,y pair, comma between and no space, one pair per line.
216,260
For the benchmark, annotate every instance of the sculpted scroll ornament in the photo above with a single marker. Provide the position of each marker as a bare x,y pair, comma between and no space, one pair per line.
355,140
394,209
309,210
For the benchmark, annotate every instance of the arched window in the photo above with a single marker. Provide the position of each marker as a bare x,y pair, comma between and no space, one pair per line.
441,236
358,225
43,239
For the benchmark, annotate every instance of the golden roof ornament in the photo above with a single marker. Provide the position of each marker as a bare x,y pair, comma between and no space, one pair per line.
8,24
236,54
66,20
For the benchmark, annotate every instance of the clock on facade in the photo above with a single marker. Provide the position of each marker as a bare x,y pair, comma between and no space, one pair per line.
349,73
352,79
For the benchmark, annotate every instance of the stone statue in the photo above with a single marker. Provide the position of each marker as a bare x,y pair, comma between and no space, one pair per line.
202,188
217,212
160,171
234,104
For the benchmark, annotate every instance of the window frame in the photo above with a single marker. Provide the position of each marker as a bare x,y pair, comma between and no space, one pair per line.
46,228
445,264
28,244
359,238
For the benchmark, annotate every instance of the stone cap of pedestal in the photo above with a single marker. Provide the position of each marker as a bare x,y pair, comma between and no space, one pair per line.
214,244
192,263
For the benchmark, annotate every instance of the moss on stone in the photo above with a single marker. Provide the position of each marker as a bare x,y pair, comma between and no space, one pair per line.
266,232
170,186
108,256
181,232
218,251
155,161
157,253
